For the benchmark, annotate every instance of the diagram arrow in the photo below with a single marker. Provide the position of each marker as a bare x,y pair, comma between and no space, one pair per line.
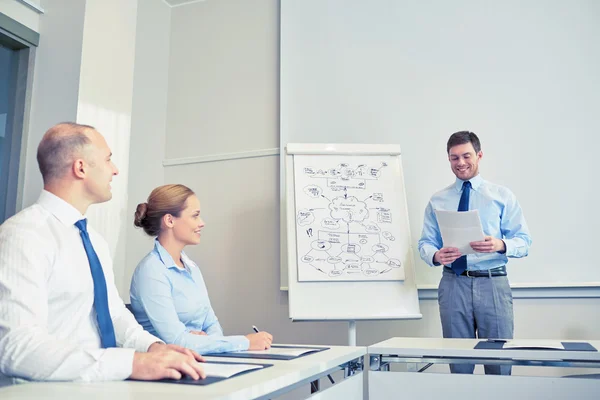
318,269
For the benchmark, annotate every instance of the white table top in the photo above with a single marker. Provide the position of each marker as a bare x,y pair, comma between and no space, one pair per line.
254,384
440,347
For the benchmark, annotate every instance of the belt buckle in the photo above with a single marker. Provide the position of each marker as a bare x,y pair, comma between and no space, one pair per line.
470,276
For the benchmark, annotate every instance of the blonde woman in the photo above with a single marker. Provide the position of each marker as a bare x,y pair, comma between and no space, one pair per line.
168,294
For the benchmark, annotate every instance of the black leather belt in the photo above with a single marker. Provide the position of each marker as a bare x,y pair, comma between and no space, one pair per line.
499,271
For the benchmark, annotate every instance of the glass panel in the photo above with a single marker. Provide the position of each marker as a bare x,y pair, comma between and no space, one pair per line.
7,85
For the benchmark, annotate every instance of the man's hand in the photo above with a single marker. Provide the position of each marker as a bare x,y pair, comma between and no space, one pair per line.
446,255
161,361
260,341
199,333
489,245
158,347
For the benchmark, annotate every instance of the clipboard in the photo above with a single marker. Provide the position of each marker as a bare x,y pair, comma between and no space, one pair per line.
495,344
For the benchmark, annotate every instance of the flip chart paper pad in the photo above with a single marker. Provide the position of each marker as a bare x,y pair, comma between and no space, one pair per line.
459,228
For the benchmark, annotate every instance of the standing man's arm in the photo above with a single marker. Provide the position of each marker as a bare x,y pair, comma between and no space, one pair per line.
515,240
515,232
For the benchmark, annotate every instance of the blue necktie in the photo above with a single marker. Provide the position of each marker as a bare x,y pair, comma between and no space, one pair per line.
107,331
460,265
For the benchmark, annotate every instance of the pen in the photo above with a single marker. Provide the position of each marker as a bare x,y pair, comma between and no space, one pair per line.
255,328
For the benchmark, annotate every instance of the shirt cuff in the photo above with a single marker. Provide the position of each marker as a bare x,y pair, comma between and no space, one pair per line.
115,364
510,247
428,251
239,343
143,343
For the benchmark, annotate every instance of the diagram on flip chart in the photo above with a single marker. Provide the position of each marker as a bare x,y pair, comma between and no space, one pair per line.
348,218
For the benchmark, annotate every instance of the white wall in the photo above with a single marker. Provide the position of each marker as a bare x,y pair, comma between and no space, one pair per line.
223,85
84,72
223,98
223,78
148,122
522,76
55,89
105,101
231,51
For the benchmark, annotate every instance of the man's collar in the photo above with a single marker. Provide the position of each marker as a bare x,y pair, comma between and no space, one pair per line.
63,211
476,182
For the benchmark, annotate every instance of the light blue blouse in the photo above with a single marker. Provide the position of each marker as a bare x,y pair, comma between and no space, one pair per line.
169,302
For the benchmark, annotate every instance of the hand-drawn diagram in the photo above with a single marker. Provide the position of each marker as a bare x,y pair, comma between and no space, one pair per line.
348,219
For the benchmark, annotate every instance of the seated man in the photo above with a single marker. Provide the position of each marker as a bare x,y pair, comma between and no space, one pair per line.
61,318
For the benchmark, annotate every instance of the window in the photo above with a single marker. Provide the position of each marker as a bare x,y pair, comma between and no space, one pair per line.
7,96
16,51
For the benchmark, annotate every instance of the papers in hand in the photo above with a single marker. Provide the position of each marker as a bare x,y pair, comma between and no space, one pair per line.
227,370
459,228
281,351
534,344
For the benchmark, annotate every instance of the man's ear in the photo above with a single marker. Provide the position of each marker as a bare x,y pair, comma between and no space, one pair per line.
480,154
78,168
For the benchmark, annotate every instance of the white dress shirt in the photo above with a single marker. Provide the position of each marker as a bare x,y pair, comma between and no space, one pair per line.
48,327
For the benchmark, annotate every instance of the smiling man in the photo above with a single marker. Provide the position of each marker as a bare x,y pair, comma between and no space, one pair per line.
474,295
61,318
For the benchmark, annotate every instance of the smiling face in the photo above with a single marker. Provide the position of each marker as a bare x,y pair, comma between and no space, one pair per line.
100,168
464,161
187,227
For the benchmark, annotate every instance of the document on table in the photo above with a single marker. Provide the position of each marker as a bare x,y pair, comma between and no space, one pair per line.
534,344
281,351
223,370
459,228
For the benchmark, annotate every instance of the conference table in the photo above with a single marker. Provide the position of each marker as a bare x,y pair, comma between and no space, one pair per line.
309,374
402,366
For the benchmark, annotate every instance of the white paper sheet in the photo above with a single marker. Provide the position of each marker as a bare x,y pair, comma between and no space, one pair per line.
537,344
227,370
282,351
459,228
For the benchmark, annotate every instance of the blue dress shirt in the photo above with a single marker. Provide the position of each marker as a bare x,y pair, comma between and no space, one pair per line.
169,302
500,214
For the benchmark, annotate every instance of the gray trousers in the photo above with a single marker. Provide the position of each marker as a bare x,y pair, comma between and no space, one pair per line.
476,308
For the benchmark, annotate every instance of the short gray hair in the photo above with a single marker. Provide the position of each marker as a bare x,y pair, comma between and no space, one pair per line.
59,147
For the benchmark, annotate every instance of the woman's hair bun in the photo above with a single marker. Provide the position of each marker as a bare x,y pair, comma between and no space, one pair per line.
140,214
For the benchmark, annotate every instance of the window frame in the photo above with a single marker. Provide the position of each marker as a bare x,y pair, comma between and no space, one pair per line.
23,41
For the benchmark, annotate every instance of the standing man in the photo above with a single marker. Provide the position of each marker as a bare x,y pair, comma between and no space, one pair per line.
474,294
61,318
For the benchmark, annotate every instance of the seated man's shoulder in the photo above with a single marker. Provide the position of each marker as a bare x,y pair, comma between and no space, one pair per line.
32,221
